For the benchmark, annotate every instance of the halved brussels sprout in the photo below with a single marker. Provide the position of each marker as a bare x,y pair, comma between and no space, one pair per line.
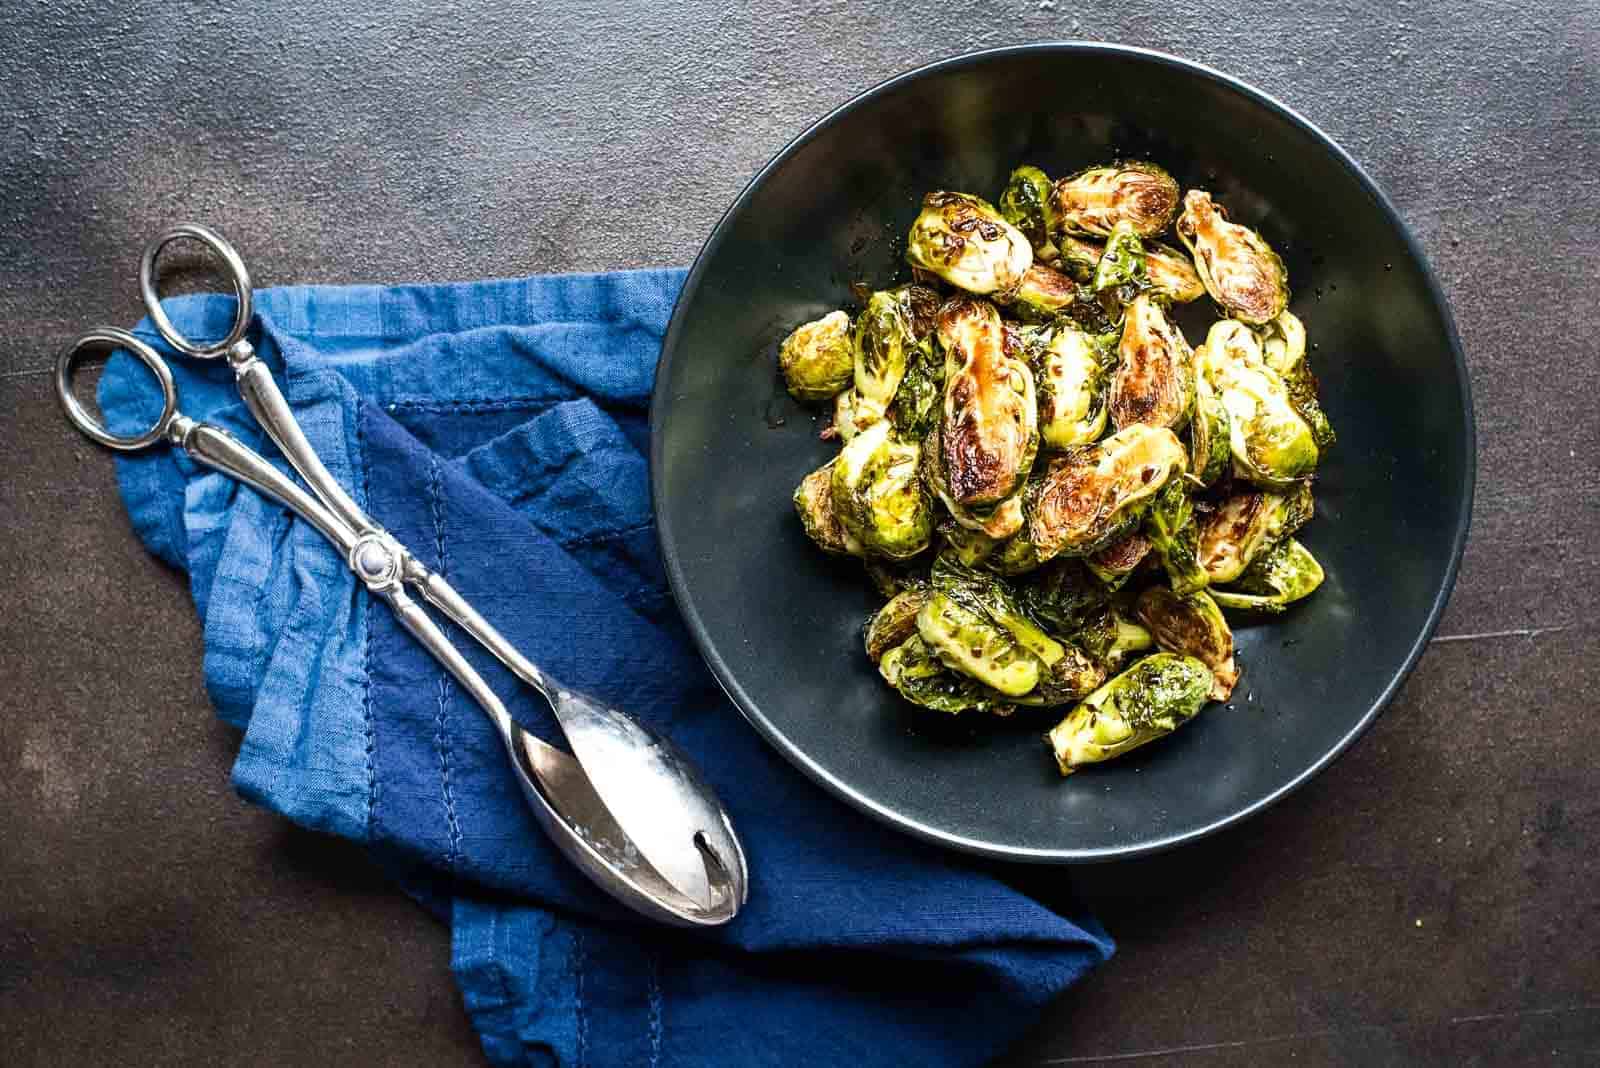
989,434
1171,273
1283,348
916,403
971,547
989,596
878,494
972,644
1064,597
818,358
1070,371
1271,445
1281,576
994,523
1151,699
849,418
1068,679
1175,536
962,239
1194,626
1093,201
895,622
1245,525
1122,265
918,675
1117,562
1154,383
1078,256
1236,265
1092,494
1044,294
887,332
1026,204
813,502
1127,638
1210,443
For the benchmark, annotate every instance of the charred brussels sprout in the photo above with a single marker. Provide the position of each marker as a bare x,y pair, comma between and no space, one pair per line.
1089,496
1027,205
1281,576
887,333
1121,269
1171,273
1065,598
818,359
878,494
1045,293
962,239
1070,371
1154,383
1093,201
1151,699
1117,562
1237,267
849,418
1174,535
989,596
813,502
895,621
1067,680
1210,444
1283,345
1245,525
917,674
1078,257
916,403
1271,445
970,643
1193,626
989,435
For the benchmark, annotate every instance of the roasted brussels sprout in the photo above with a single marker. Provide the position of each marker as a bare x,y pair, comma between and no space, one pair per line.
1078,257
1027,205
1044,294
1121,268
962,239
1237,267
1127,638
1278,578
989,435
1171,273
849,418
1271,445
916,403
1283,348
1064,597
1193,626
1154,383
1245,525
1117,562
1151,699
878,494
1175,537
887,333
818,358
1093,201
989,596
813,502
971,547
1068,679
918,675
1091,495
970,643
895,621
1070,371
1210,444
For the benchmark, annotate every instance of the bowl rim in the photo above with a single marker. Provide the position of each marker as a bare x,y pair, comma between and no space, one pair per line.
775,736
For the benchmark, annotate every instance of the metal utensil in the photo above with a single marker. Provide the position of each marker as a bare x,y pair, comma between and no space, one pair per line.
627,806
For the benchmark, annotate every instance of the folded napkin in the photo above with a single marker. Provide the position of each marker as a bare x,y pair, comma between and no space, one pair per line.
498,429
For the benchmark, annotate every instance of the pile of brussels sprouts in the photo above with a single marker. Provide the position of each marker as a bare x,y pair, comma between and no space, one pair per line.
1057,493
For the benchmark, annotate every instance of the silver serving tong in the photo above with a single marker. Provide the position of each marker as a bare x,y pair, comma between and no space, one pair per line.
626,806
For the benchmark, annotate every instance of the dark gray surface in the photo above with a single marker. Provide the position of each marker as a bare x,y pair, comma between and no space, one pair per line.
1432,898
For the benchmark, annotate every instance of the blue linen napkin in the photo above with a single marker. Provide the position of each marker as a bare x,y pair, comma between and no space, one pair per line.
498,429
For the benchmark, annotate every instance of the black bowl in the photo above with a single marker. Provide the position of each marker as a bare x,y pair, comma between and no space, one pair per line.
780,623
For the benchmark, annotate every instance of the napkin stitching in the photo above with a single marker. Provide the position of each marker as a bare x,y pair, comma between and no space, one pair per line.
366,645
655,1009
441,740
485,404
580,958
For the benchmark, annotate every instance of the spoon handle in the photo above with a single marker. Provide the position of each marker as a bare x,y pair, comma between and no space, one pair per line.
443,596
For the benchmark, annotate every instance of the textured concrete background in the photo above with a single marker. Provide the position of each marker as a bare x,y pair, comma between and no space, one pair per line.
1432,899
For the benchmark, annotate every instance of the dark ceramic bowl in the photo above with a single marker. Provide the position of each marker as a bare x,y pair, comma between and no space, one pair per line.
780,623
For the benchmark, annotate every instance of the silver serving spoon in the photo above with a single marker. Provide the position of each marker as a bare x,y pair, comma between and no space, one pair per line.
627,806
